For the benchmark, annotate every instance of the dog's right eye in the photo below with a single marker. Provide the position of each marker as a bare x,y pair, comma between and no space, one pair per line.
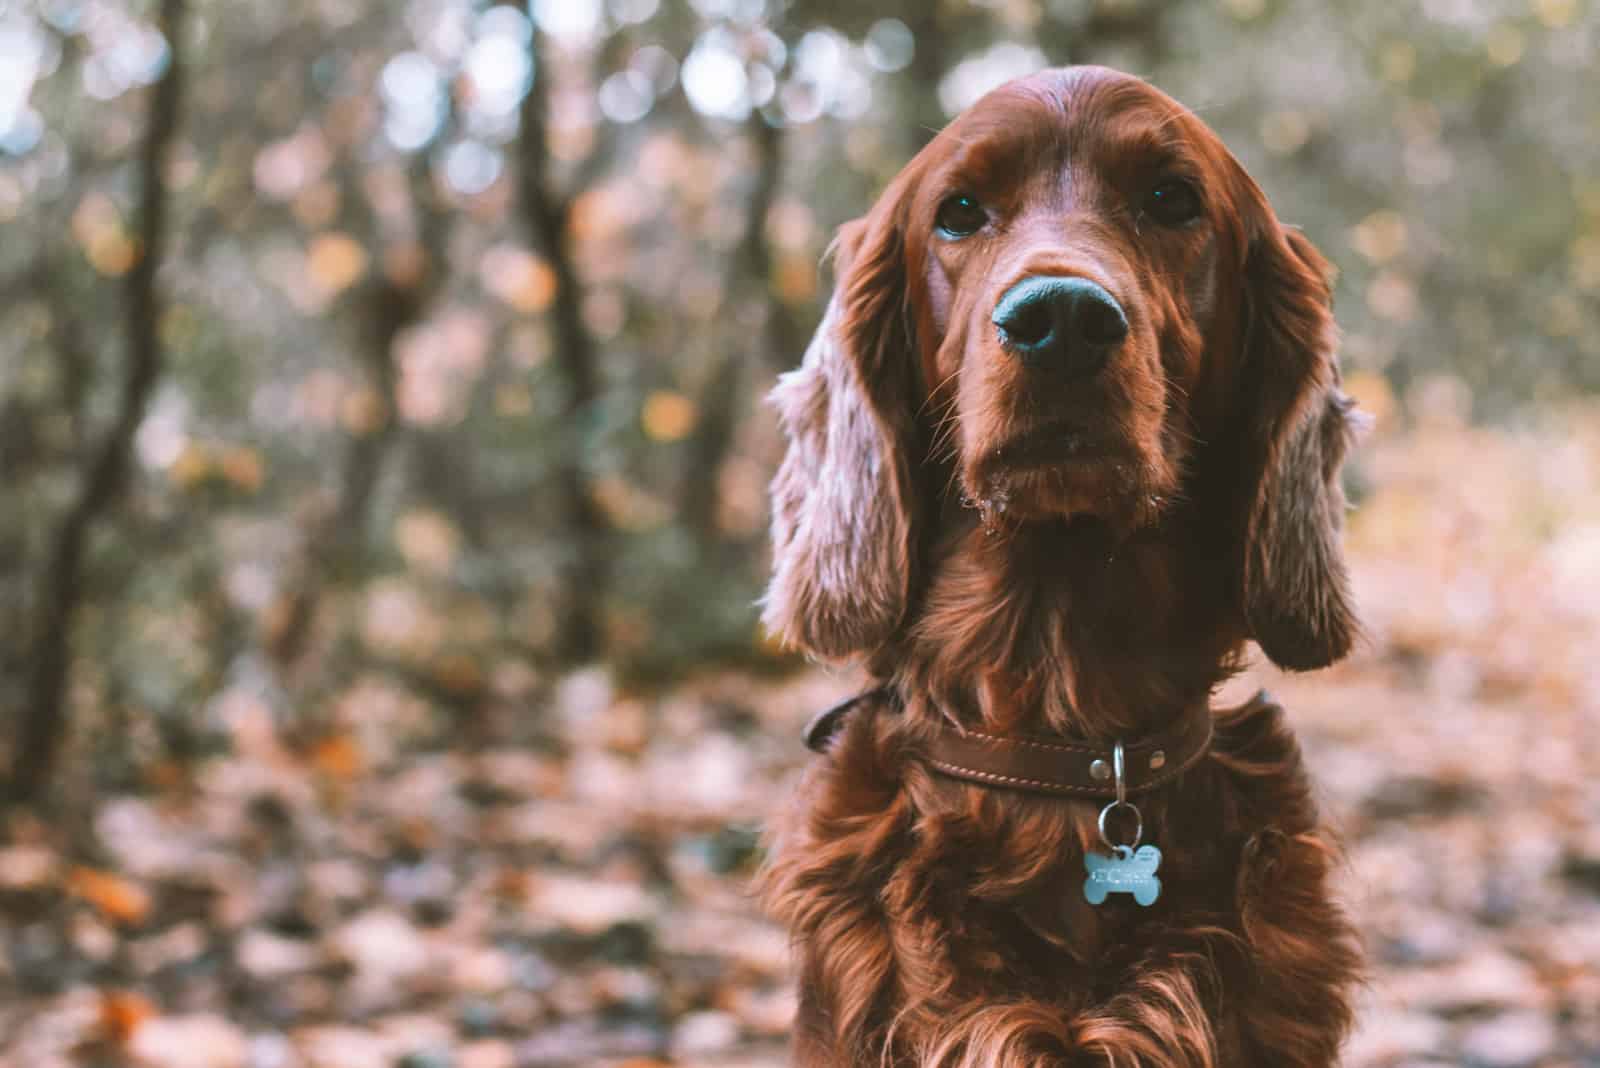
960,216
1173,202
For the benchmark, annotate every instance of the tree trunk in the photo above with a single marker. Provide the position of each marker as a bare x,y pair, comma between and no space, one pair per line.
749,277
335,544
545,214
44,718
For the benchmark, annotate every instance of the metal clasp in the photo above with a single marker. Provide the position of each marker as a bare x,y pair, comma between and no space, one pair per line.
1118,769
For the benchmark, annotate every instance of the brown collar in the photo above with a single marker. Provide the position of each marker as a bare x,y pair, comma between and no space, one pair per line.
1045,765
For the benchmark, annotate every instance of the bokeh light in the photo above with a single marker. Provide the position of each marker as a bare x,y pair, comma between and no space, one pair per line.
414,100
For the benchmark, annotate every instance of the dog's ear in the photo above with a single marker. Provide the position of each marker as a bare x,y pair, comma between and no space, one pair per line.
843,499
1298,427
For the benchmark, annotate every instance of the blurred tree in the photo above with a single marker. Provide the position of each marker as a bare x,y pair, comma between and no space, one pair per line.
546,214
42,718
766,336
466,306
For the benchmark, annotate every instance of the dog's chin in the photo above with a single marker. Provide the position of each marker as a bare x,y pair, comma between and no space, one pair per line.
1117,490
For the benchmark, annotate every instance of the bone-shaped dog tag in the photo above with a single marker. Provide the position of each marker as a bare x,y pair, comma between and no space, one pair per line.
1128,872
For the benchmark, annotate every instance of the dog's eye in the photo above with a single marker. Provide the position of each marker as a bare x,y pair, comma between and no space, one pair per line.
960,216
1172,202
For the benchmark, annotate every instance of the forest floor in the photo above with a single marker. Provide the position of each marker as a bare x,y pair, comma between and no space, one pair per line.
584,898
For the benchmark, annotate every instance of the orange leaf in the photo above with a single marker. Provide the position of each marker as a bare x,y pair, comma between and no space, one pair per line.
112,253
668,416
121,1013
119,899
192,467
518,278
338,757
243,466
335,261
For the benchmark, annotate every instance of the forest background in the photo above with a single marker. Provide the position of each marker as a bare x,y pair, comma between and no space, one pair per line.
382,473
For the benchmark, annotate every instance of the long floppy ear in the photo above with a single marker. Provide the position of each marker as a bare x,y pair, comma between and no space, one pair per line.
1296,591
843,498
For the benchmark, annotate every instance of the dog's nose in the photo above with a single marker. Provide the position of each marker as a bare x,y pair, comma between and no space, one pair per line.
1060,323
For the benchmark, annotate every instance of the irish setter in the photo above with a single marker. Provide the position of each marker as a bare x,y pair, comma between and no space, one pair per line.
1068,437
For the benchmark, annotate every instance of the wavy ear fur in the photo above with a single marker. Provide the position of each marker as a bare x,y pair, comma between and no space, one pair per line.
1296,592
842,500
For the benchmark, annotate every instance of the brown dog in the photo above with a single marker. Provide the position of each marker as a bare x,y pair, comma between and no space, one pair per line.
1068,436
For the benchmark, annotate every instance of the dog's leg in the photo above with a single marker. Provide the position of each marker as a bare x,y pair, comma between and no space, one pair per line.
1162,1020
1290,1002
1165,1017
814,1045
1304,950
846,979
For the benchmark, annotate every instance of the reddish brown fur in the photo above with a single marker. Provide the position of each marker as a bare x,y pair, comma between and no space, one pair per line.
940,922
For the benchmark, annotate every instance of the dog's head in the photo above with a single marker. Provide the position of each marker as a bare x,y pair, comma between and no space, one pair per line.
1073,303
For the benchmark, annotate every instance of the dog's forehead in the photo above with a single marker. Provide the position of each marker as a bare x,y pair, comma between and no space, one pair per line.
1075,111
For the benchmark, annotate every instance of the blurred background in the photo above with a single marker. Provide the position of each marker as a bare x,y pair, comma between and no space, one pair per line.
382,478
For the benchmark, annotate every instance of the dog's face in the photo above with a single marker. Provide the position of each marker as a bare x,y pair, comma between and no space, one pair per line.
1065,300
1064,240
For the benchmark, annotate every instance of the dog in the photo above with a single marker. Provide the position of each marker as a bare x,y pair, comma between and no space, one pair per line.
1068,437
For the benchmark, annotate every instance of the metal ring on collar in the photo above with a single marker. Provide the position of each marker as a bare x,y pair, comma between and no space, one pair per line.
1138,826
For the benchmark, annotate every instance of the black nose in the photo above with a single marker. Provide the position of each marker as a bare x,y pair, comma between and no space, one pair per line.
1066,324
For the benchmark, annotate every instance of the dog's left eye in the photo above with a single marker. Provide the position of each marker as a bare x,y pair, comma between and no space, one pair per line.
960,216
1172,202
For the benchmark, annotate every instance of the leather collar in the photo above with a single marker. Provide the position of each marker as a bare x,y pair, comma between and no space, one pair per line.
1044,765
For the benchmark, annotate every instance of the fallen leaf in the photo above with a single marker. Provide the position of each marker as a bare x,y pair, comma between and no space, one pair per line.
120,899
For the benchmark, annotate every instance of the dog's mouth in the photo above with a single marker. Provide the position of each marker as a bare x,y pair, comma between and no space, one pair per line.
1061,469
1054,443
